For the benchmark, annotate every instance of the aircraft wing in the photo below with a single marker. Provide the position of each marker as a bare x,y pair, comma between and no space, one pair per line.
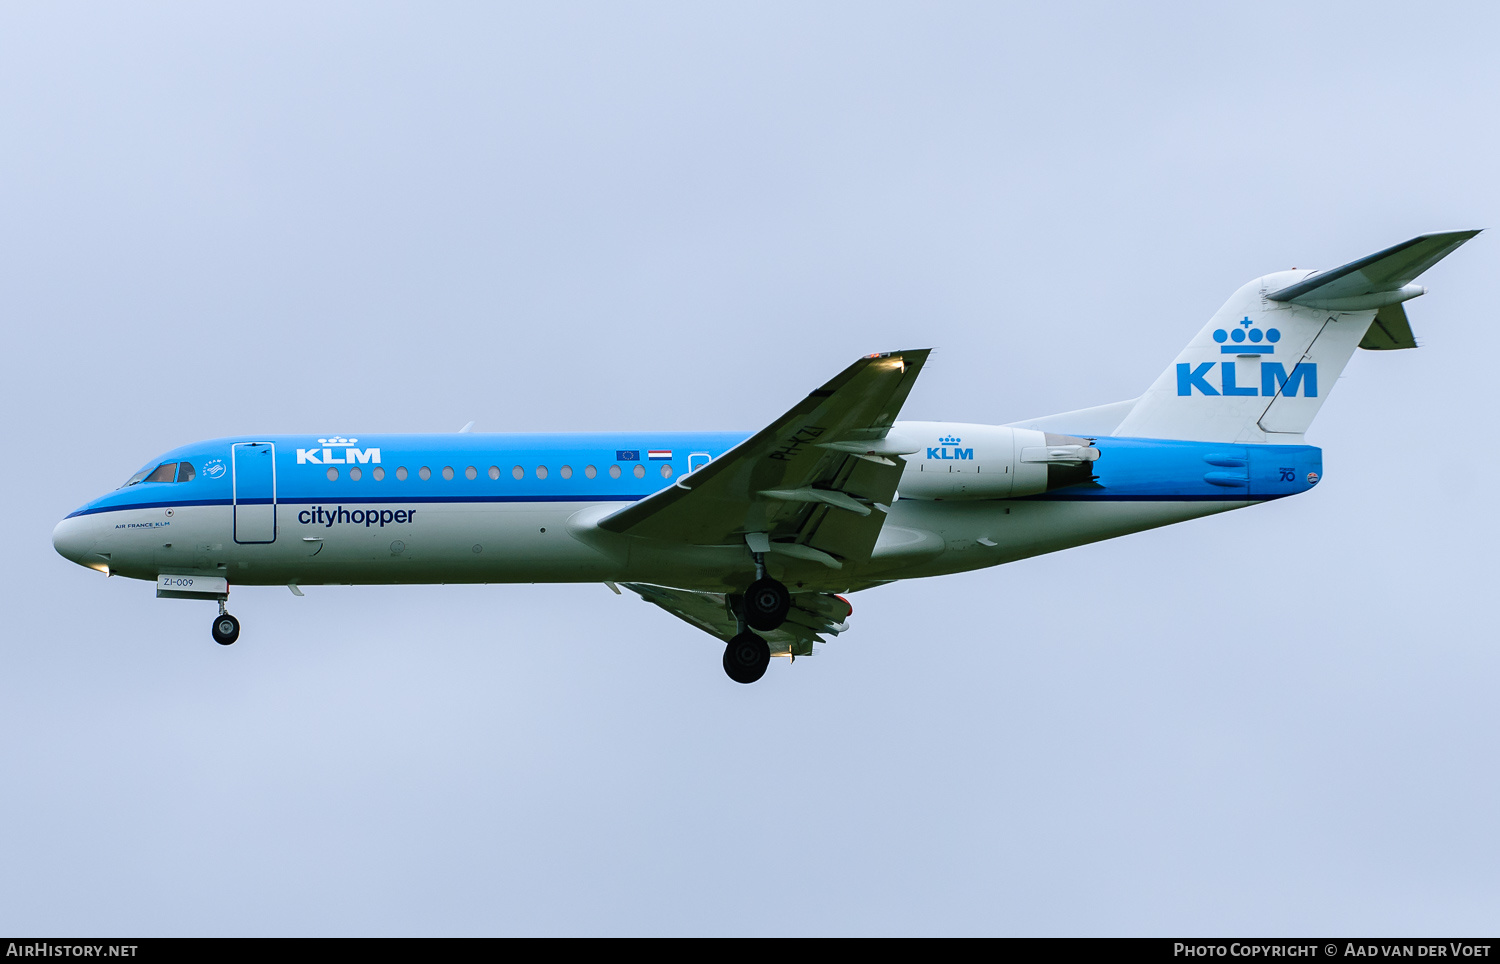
815,481
811,613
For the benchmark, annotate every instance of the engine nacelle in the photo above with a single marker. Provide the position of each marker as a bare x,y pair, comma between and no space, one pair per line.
958,460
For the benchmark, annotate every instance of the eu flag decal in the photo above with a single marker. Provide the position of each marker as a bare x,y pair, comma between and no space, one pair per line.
630,455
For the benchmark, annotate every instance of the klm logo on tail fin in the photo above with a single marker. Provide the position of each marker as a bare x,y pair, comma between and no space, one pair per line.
1274,379
1248,340
1245,340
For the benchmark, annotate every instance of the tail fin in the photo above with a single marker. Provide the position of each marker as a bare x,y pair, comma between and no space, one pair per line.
1261,367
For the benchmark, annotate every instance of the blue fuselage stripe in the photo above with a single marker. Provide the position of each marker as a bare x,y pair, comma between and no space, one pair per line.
595,469
364,500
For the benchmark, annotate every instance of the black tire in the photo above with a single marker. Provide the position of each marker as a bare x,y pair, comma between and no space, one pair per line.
766,604
226,629
746,658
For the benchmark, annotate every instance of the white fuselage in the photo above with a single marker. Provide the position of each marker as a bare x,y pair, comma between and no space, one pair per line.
988,507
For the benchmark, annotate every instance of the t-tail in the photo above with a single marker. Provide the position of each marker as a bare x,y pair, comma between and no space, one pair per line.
1261,368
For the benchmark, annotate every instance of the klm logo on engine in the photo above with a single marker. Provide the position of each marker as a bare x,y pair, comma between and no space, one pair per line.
947,448
349,456
1272,379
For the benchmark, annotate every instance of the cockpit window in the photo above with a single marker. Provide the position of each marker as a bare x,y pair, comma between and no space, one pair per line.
165,472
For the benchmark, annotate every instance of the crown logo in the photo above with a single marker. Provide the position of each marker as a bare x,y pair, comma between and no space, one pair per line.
949,440
1259,342
337,440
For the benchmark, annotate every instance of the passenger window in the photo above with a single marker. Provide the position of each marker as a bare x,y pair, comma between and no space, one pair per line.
666,471
541,471
400,473
471,473
494,471
448,472
518,473
354,473
589,471
332,474
424,473
185,472
379,474
614,471
566,471
640,471
165,472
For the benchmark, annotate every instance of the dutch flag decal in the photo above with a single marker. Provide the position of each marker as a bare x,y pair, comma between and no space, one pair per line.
659,455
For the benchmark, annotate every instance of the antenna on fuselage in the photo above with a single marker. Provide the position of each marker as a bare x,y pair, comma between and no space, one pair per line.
468,427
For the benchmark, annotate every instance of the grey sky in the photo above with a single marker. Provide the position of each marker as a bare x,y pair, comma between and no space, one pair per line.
353,218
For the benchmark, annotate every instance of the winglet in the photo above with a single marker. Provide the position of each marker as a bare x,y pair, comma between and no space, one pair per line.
1383,278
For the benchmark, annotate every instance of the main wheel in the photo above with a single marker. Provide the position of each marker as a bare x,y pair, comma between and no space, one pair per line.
746,658
766,604
226,629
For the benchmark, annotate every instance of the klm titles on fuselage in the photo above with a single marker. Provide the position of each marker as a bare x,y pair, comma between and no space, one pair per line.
325,456
947,448
1244,341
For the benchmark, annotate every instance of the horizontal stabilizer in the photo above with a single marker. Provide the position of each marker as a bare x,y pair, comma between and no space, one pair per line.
1383,278
1389,331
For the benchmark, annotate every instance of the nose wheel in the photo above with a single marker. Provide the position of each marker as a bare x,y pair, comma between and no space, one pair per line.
226,629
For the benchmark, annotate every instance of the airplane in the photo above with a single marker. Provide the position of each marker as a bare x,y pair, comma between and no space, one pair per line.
757,540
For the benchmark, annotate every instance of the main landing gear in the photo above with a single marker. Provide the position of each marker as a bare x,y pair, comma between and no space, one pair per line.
746,658
226,627
763,607
766,604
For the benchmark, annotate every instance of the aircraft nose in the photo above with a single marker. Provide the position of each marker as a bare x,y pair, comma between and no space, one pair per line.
74,540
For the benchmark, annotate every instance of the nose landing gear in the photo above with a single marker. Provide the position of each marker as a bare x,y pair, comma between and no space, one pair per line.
226,627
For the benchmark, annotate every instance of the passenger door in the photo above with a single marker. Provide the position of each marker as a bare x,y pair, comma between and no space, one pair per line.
254,467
